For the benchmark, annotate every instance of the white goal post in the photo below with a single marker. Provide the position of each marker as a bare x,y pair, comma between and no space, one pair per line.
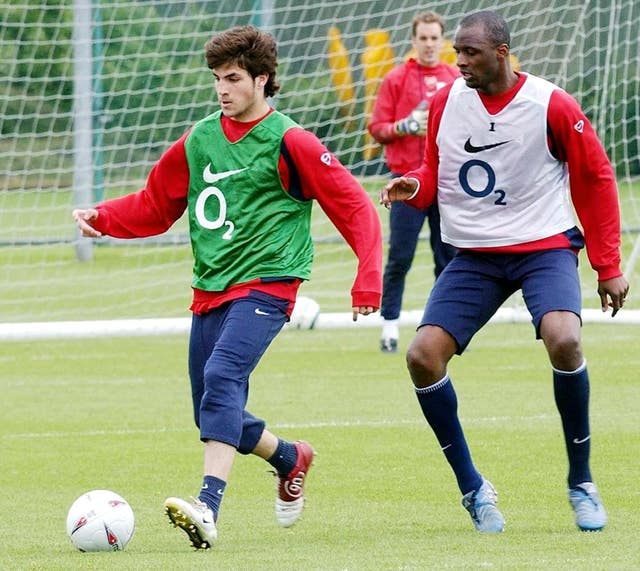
94,90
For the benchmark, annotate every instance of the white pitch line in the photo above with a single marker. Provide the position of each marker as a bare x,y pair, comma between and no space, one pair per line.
275,426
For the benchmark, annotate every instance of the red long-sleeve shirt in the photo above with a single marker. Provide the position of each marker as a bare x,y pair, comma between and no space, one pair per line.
402,89
592,181
307,170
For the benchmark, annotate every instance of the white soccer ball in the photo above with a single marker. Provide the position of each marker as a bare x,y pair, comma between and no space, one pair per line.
100,520
305,313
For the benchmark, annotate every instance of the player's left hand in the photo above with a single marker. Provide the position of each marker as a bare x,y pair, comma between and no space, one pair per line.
613,294
362,310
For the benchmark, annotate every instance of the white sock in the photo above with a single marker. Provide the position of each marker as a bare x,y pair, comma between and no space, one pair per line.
390,329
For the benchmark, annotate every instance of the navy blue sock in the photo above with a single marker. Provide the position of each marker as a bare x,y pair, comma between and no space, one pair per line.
571,391
211,493
439,405
284,458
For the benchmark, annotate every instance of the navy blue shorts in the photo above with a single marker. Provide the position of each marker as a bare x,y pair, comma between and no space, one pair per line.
225,346
474,285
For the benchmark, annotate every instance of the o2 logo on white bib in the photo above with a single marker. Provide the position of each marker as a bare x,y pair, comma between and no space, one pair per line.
490,187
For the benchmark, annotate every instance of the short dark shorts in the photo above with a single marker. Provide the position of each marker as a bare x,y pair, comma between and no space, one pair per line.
474,285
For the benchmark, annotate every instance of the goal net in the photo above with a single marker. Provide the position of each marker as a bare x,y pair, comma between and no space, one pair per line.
93,91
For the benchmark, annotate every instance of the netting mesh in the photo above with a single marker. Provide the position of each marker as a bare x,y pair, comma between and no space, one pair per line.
93,91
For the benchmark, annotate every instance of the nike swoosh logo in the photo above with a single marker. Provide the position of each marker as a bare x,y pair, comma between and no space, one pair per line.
447,446
581,440
212,177
260,312
473,149
205,486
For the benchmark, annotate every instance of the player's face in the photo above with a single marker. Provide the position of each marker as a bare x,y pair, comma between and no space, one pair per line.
428,43
241,96
476,58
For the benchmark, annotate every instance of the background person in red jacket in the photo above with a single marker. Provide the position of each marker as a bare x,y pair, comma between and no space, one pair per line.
399,122
247,176
502,148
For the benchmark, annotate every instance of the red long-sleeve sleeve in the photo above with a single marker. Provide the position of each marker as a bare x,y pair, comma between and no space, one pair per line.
323,178
157,206
427,173
592,182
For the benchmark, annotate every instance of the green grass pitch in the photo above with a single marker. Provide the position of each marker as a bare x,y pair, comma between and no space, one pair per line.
116,414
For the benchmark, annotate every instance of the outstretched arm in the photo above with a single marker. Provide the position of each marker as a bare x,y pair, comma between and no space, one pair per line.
419,187
149,211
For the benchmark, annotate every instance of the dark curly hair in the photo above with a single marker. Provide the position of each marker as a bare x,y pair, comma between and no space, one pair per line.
249,48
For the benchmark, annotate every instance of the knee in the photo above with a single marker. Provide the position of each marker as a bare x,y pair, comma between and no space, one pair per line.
565,351
425,367
560,331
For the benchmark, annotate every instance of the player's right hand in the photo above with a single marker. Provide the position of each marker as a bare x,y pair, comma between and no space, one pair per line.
83,218
613,294
398,189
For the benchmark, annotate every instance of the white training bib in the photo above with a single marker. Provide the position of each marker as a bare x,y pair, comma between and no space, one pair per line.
498,184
